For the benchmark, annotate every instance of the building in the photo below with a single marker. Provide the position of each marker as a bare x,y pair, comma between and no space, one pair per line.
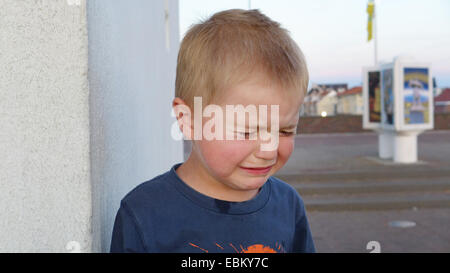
442,102
327,105
350,102
339,87
322,100
310,103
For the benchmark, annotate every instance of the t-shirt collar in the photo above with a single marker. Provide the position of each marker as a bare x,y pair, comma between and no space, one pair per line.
220,206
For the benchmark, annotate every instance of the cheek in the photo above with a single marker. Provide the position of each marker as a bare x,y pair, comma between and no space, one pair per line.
222,157
285,149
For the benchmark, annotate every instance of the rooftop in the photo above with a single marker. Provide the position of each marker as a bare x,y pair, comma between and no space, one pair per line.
352,91
444,96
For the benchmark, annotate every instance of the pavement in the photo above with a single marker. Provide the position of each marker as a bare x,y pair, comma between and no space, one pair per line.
352,196
351,231
358,152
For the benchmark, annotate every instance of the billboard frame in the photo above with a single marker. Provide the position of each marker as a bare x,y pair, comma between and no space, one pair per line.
384,124
367,124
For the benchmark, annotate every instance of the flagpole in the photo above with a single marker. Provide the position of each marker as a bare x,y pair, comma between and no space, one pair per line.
375,34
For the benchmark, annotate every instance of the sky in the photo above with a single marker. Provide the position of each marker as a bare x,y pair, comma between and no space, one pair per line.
333,33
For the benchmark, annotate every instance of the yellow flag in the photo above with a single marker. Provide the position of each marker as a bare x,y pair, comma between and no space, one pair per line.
370,10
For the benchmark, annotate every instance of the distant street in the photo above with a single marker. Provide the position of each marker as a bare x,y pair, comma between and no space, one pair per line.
352,197
322,153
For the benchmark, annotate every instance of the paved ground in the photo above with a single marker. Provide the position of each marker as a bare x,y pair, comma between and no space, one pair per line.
352,196
336,153
351,231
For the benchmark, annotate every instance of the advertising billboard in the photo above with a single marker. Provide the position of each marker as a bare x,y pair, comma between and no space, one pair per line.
416,90
374,96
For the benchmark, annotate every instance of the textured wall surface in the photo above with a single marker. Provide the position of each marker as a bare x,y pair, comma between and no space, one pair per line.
45,192
81,124
131,81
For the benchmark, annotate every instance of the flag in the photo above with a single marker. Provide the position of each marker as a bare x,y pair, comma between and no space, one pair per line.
370,11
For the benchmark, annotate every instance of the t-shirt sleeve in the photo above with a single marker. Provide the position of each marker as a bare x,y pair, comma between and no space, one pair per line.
126,235
303,241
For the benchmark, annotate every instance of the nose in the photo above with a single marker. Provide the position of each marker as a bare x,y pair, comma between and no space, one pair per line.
269,155
266,155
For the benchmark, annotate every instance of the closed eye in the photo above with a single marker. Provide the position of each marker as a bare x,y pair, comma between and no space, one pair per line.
286,133
246,134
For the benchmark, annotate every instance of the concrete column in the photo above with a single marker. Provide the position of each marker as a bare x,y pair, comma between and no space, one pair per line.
133,47
85,113
405,147
45,185
385,144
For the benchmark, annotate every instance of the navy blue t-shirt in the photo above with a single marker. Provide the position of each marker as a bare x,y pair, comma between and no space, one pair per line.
164,214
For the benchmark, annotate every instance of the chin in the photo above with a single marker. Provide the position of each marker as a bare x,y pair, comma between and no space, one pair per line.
253,183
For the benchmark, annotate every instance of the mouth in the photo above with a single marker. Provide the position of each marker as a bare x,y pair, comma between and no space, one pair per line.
259,170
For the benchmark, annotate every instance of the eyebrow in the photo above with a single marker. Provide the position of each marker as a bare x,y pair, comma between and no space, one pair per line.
290,126
293,126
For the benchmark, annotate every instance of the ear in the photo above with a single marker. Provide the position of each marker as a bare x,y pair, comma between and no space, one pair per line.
184,118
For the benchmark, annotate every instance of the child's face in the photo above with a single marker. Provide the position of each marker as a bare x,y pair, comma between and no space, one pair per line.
226,160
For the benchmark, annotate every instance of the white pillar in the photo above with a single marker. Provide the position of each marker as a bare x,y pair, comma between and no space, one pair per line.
45,186
77,135
385,144
405,147
133,47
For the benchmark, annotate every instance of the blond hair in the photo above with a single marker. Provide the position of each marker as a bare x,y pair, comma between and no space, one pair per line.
229,46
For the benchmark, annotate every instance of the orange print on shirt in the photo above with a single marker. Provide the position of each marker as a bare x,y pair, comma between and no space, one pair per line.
256,248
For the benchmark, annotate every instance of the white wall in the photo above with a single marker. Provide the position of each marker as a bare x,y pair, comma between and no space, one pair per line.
132,81
85,101
45,190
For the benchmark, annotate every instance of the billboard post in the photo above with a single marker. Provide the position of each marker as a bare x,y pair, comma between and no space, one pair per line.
398,104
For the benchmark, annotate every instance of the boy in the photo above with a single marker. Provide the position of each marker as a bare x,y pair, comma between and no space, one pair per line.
224,198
